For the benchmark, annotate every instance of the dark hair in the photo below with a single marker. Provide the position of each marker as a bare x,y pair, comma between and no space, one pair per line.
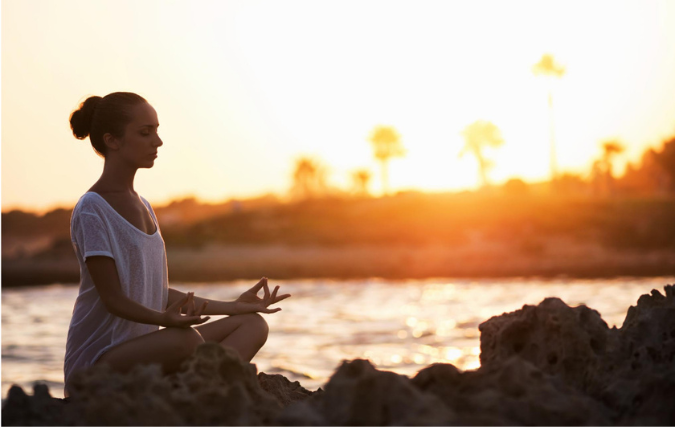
97,116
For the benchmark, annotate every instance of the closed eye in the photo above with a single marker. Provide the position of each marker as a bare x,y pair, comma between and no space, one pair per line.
146,130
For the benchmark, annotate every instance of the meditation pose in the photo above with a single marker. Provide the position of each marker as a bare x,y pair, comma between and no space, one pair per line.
124,295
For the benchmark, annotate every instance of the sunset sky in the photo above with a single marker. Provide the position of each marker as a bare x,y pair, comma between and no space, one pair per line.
242,88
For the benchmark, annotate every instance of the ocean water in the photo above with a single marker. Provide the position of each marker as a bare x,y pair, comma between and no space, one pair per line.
400,326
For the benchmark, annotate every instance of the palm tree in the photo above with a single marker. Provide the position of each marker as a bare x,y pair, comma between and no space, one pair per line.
308,178
610,149
548,68
386,144
477,136
361,179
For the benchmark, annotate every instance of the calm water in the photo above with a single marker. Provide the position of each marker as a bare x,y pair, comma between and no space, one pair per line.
399,326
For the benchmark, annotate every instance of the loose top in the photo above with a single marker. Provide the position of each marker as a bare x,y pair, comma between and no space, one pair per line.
96,229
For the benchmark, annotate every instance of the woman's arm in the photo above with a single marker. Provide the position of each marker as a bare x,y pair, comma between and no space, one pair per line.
248,302
103,272
213,307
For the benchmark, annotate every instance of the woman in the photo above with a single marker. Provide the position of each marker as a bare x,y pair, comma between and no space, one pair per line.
124,295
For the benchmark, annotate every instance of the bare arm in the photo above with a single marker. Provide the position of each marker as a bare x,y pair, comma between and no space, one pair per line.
248,302
213,307
104,274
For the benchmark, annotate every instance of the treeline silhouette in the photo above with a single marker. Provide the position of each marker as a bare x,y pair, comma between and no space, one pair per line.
426,219
611,221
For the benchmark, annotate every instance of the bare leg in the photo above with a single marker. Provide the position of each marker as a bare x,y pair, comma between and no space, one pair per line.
168,347
246,333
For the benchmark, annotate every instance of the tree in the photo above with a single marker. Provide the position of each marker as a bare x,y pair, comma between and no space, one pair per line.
548,68
477,136
309,178
386,144
601,174
666,159
610,149
361,180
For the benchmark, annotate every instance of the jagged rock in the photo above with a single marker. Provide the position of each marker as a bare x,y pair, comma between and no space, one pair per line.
359,394
558,339
513,392
648,333
544,364
213,387
639,375
630,370
285,391
39,409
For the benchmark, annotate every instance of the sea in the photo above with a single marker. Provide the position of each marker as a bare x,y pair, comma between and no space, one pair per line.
400,326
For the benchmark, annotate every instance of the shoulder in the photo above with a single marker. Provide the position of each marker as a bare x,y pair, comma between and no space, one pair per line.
146,203
90,203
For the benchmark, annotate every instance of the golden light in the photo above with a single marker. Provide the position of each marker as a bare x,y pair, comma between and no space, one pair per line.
246,87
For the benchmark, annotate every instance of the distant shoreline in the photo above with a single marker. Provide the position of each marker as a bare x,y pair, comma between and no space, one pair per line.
234,262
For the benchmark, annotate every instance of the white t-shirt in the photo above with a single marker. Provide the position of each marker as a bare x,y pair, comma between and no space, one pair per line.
97,229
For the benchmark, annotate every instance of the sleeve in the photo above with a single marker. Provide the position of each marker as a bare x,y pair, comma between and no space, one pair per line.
91,236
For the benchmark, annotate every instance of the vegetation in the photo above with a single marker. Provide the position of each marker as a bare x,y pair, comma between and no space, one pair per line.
478,136
550,69
386,144
309,178
572,226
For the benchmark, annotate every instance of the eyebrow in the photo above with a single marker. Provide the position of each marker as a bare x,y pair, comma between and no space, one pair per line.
148,126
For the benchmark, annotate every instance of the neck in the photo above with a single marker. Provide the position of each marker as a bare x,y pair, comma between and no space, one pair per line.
117,177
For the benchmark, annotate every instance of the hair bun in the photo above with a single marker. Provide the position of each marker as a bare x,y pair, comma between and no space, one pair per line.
80,119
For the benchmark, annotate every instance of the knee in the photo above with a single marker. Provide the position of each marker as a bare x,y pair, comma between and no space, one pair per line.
193,339
258,326
187,340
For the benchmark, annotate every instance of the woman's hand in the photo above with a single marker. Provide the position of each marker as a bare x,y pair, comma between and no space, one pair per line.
249,302
172,317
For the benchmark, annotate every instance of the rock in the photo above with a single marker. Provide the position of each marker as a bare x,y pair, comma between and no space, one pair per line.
285,391
558,339
630,370
213,387
38,409
513,392
541,365
359,394
648,333
639,375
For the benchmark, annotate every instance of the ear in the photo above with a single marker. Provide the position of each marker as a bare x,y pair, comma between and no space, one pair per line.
110,141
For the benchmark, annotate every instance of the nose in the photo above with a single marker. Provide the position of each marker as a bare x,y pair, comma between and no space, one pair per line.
159,142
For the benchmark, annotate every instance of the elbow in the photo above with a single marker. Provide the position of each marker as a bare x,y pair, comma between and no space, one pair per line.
113,304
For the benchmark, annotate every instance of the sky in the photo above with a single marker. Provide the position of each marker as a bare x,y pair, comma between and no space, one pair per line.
244,88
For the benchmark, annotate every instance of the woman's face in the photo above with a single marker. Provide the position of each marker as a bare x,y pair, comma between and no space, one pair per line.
140,142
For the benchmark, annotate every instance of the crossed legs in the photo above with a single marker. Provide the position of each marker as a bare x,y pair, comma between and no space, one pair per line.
246,333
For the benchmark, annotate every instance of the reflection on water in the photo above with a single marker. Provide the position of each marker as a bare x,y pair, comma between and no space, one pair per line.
399,326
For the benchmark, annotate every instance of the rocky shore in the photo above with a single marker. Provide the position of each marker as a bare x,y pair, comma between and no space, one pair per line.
549,364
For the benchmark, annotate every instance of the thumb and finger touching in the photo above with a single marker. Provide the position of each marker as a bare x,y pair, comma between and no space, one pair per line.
258,286
190,305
